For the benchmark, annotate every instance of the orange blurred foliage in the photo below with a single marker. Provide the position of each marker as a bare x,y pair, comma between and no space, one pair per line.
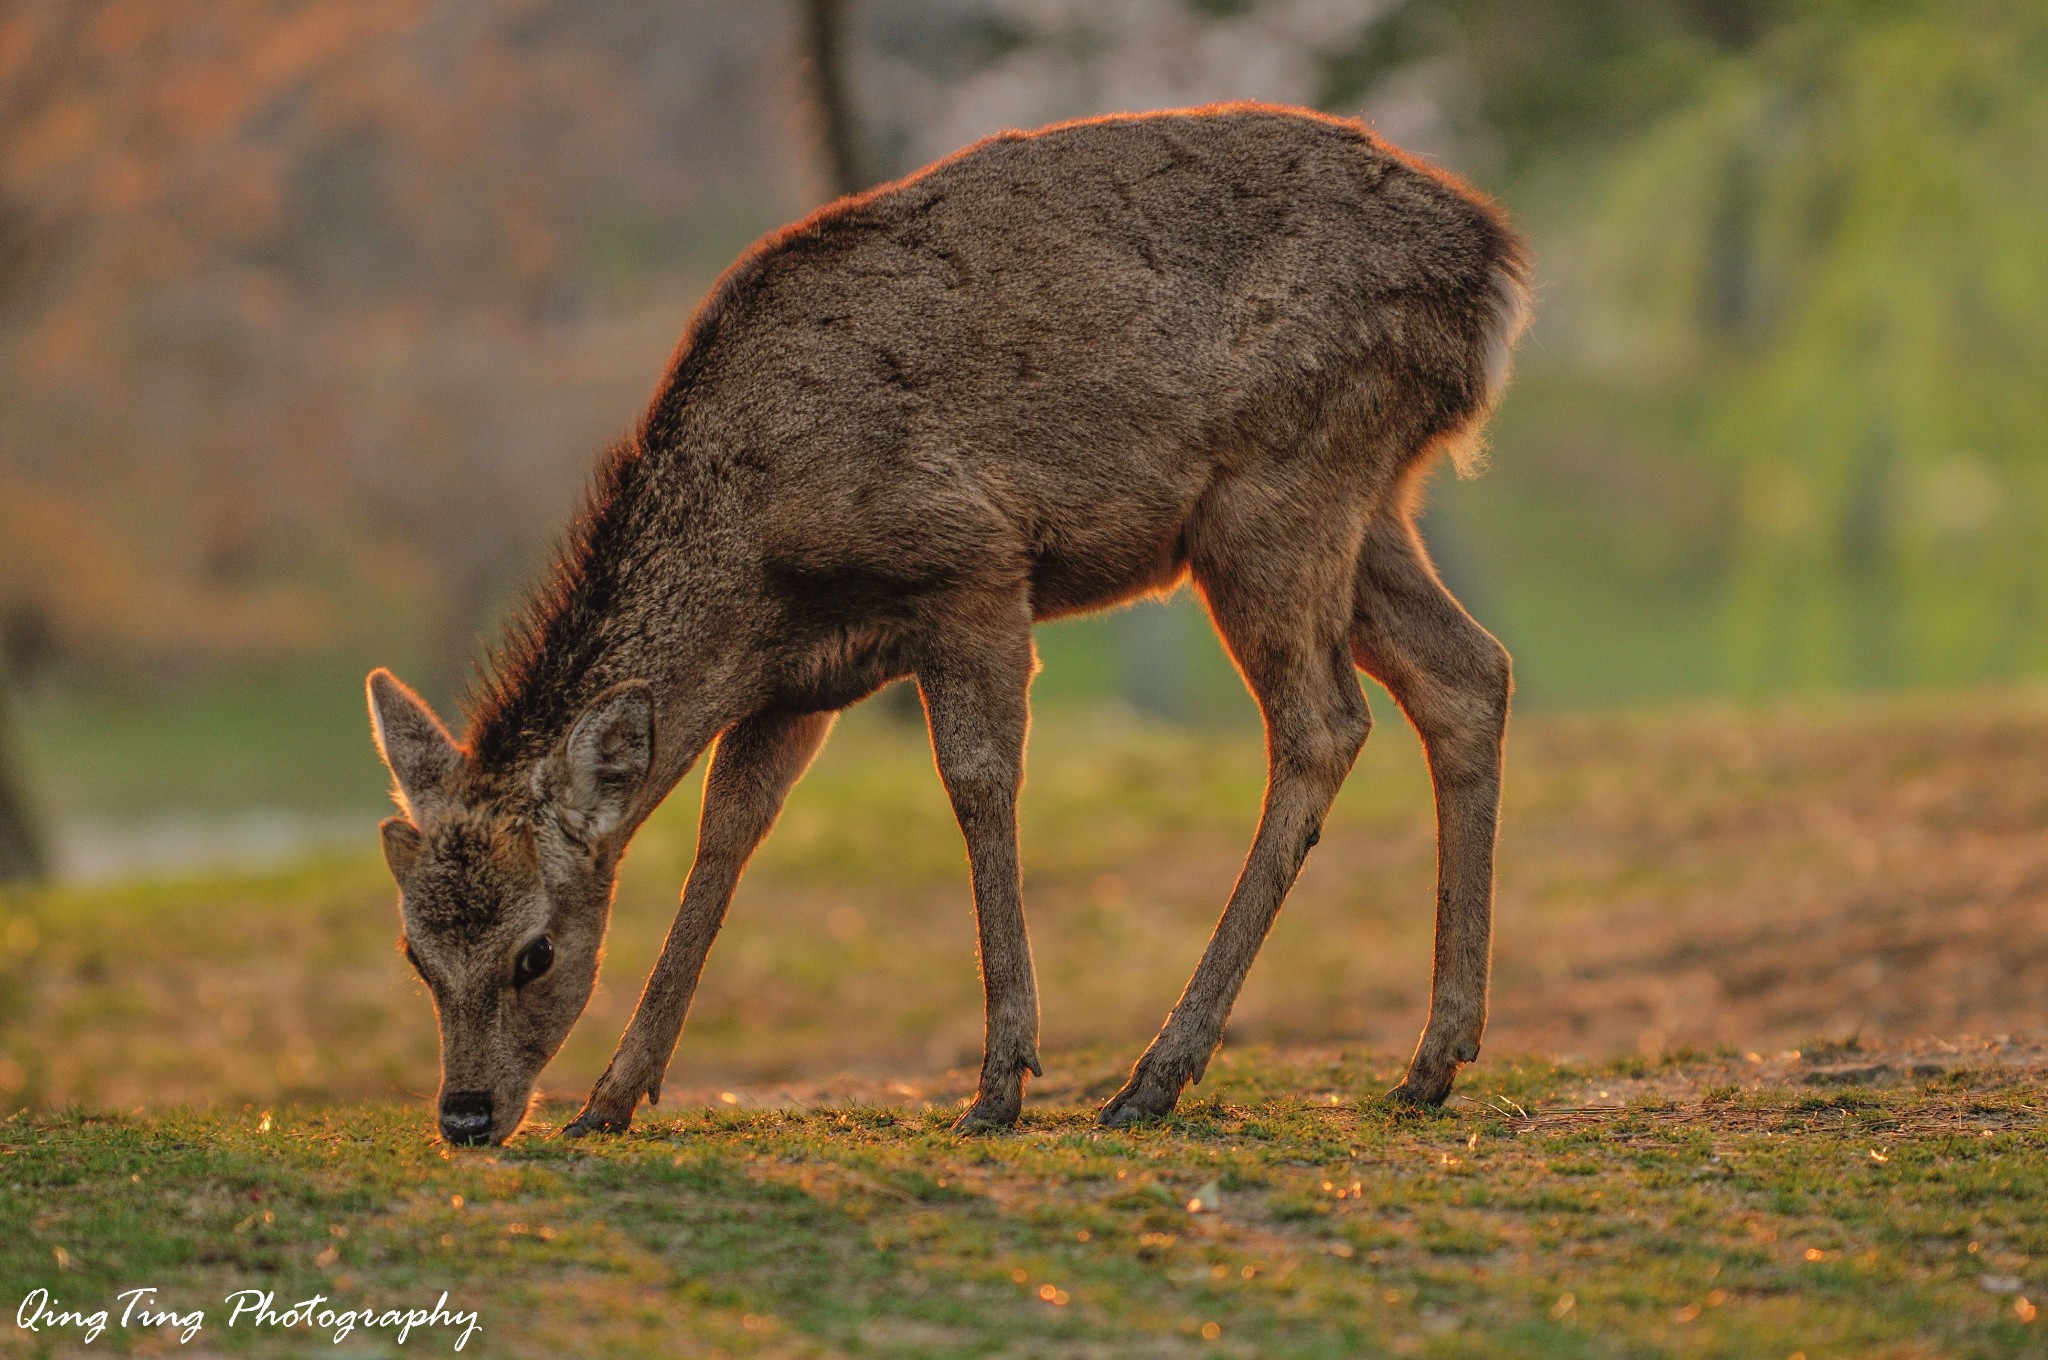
312,314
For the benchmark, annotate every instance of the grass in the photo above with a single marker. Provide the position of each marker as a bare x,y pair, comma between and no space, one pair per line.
292,738
219,1082
1704,1207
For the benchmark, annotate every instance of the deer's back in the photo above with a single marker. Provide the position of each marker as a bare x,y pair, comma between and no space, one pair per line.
1056,342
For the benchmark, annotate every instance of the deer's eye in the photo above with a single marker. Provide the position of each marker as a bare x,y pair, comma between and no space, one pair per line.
534,960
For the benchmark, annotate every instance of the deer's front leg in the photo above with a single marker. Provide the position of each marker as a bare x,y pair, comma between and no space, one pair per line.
975,701
752,771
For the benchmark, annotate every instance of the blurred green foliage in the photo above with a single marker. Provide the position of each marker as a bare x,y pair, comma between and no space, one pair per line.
1545,78
1780,424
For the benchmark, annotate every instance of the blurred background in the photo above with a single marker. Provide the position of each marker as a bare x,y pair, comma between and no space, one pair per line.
313,314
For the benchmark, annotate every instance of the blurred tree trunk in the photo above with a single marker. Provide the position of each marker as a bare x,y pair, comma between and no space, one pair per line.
825,69
21,852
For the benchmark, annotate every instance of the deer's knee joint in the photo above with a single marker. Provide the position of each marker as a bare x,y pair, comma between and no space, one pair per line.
1326,748
1486,671
1464,707
1355,726
982,797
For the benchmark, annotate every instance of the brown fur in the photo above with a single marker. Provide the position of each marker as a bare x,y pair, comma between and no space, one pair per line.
1051,373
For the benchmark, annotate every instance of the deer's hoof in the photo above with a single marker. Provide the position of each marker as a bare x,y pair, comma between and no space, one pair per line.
1425,1090
1128,1112
1146,1097
988,1116
596,1120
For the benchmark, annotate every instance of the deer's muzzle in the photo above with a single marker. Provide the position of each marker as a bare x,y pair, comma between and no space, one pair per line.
466,1117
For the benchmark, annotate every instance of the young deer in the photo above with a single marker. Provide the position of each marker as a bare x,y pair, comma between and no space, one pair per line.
1055,372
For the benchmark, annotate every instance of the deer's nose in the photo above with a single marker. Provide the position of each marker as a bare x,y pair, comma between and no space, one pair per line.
466,1117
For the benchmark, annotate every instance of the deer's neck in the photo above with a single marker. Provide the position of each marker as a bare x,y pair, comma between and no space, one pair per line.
638,594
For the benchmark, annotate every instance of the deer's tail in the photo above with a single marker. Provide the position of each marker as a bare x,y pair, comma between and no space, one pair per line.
1500,314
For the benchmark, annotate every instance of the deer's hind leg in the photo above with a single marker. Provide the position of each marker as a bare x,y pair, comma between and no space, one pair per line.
1452,679
1276,567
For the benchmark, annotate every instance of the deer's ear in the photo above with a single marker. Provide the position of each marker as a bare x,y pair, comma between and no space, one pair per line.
607,755
421,756
402,846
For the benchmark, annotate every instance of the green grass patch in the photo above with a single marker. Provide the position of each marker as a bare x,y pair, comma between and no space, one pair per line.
1906,1222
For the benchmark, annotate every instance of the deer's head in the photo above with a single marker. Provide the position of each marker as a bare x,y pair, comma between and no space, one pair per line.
505,888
